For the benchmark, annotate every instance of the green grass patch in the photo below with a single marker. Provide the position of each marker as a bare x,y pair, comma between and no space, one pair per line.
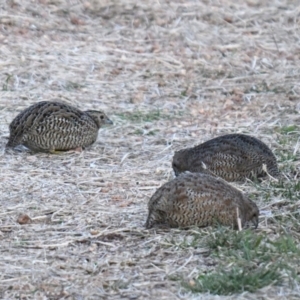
149,116
236,280
233,240
288,130
246,260
286,189
250,246
288,136
189,241
139,116
285,156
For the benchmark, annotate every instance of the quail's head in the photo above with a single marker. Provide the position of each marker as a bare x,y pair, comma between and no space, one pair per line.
179,163
185,160
99,117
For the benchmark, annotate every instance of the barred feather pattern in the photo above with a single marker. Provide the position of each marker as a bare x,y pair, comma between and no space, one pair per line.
198,199
47,126
233,157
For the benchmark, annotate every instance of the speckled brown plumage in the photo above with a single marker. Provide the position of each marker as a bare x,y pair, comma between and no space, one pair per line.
53,126
201,200
233,157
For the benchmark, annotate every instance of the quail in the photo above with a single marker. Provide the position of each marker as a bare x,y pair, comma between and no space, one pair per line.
50,126
199,199
233,157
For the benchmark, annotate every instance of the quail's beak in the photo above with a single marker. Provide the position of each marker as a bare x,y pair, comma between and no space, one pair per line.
255,221
176,173
109,122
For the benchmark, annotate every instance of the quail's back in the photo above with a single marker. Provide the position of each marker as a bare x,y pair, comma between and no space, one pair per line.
233,157
201,200
49,126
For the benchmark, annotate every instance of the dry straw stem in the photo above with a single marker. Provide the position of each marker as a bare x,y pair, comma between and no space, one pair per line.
170,74
239,222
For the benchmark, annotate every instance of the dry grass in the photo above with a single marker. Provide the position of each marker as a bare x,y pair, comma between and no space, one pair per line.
169,74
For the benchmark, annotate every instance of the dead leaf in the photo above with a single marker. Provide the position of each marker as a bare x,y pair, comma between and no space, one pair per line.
24,219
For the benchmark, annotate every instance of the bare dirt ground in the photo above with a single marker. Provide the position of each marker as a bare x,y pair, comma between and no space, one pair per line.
170,74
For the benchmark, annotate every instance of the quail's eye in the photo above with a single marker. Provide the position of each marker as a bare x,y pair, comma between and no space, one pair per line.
102,117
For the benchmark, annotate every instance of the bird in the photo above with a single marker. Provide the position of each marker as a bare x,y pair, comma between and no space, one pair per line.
199,199
233,157
52,126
